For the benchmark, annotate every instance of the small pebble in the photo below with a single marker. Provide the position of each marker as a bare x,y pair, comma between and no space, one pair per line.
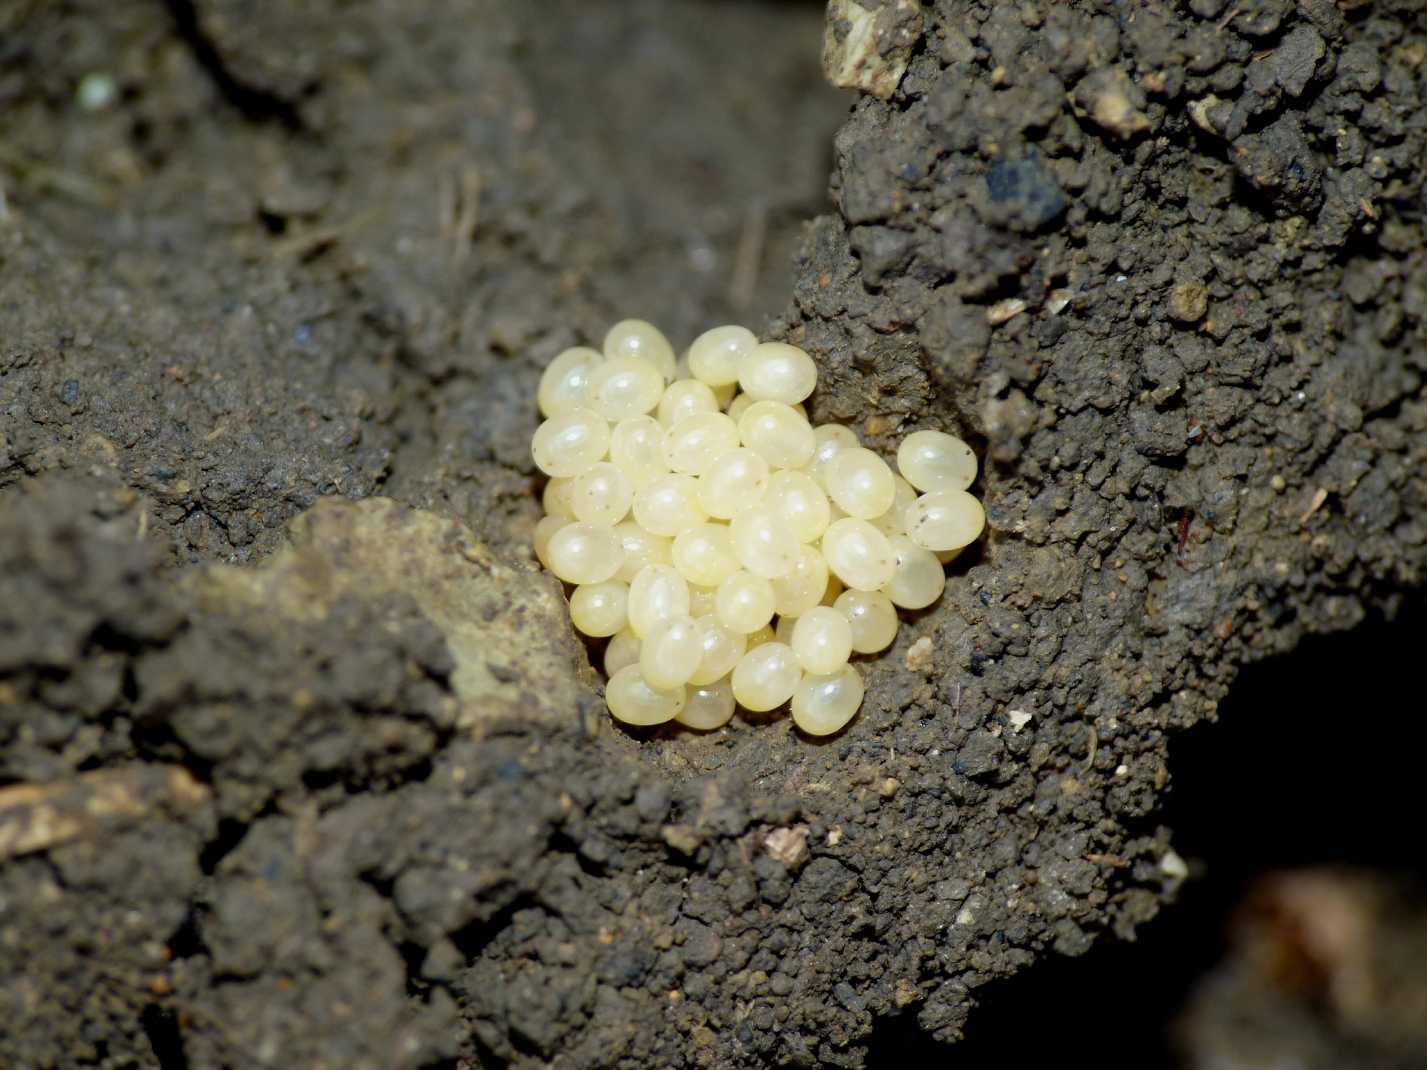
919,655
1188,302
97,91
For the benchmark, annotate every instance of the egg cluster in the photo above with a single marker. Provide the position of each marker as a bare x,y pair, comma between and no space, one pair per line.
734,554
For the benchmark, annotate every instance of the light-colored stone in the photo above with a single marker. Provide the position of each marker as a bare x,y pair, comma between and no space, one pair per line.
1113,102
508,629
919,655
868,43
788,845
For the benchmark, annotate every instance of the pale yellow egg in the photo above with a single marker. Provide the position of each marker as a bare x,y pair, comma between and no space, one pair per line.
777,371
776,433
584,553
934,460
636,447
704,554
799,502
720,647
670,652
873,619
716,355
860,482
571,442
600,609
804,587
823,705
737,481
669,505
744,602
945,520
859,554
621,650
625,387
565,383
644,341
631,700
601,495
918,580
641,548
707,706
822,640
656,593
763,544
698,443
683,398
766,677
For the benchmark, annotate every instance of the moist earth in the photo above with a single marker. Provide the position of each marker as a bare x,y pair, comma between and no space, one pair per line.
301,763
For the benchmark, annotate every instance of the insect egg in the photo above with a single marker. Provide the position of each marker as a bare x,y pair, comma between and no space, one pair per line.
632,700
600,609
823,705
860,482
727,552
766,677
565,383
934,460
945,520
570,442
776,371
775,432
859,554
707,706
716,355
822,640
641,340
745,602
671,652
624,387
601,495
584,553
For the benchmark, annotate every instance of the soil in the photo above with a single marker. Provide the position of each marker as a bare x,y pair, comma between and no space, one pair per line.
300,763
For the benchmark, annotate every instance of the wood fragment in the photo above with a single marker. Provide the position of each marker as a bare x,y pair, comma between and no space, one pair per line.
1319,497
1002,311
36,817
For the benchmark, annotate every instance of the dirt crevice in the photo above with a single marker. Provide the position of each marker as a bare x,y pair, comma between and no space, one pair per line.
256,104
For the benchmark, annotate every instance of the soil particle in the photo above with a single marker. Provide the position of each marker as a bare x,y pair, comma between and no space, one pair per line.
1188,302
1028,191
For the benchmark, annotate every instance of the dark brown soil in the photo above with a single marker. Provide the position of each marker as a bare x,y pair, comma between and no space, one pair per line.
268,799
